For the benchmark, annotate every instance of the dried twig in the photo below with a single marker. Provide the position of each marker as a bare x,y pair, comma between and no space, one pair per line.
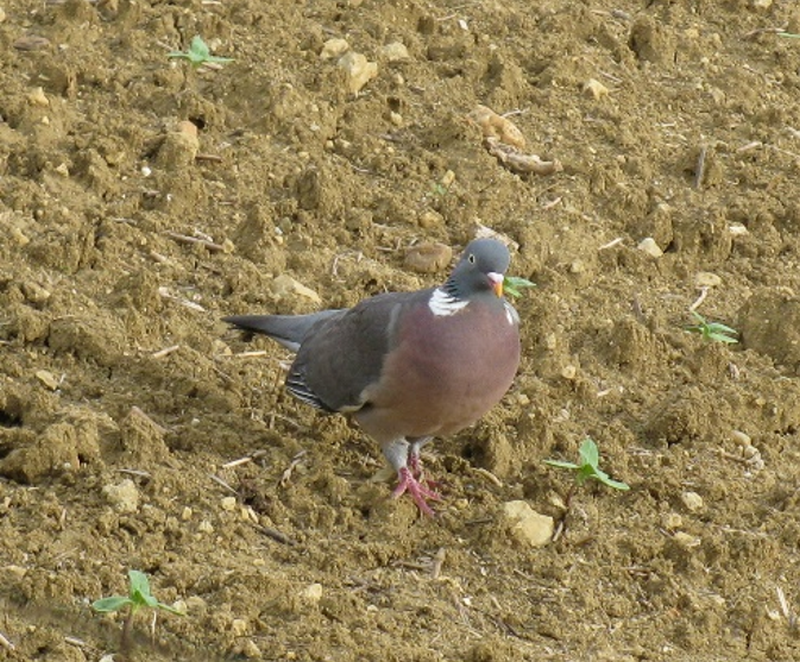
244,460
6,643
700,299
438,561
700,170
611,244
161,353
222,483
276,535
186,239
287,475
788,614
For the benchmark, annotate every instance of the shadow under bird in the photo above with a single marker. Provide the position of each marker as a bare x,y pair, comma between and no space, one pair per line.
408,366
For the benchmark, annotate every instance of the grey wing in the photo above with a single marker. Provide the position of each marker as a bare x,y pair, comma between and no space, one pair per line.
345,355
288,330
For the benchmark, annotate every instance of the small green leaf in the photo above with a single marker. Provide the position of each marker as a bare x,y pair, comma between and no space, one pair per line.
589,466
169,609
588,453
715,331
199,53
112,603
513,284
562,465
139,586
790,35
616,484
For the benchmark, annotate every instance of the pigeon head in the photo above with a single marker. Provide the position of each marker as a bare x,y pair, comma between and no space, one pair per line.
480,270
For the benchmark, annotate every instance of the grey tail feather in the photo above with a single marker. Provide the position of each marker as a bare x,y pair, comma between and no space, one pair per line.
288,330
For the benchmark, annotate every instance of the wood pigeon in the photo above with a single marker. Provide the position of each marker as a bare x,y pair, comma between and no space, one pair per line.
408,366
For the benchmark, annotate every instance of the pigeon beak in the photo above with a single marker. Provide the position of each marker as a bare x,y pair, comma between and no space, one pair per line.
497,283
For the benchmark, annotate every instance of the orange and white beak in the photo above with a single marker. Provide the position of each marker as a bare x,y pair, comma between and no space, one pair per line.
497,282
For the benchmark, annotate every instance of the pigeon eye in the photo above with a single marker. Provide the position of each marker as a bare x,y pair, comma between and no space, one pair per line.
471,258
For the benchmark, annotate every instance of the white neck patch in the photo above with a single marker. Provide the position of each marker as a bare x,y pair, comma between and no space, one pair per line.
443,304
511,314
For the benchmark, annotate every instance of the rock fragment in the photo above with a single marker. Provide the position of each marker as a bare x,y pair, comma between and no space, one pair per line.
286,286
358,69
428,257
526,525
594,89
649,246
123,496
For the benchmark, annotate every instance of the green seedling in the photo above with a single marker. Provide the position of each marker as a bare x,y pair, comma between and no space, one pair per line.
199,54
589,459
514,284
139,597
712,330
789,35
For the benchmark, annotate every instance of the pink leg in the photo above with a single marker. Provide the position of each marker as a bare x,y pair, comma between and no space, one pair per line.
408,483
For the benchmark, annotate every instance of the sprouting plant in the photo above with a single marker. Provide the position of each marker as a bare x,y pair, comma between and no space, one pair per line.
588,466
712,330
199,53
438,189
139,596
790,35
513,284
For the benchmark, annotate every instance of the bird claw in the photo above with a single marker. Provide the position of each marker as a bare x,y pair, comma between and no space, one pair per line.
418,491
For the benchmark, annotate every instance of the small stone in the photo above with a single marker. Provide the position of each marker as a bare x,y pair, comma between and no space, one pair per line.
123,496
528,526
178,151
31,42
428,257
693,501
738,230
685,540
37,97
228,503
2,14
195,603
19,236
239,627
496,126
186,513
448,179
334,48
569,372
430,219
34,292
16,571
180,606
761,4
396,118
62,169
251,651
577,267
672,521
594,89
285,286
187,127
205,527
311,594
48,379
649,246
707,279
741,438
395,52
359,71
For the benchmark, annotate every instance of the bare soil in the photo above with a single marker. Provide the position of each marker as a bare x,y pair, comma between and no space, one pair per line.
125,236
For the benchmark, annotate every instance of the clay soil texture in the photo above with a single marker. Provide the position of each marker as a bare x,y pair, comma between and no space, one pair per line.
142,199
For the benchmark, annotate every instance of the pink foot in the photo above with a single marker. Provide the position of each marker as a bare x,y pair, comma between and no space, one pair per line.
415,465
418,491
